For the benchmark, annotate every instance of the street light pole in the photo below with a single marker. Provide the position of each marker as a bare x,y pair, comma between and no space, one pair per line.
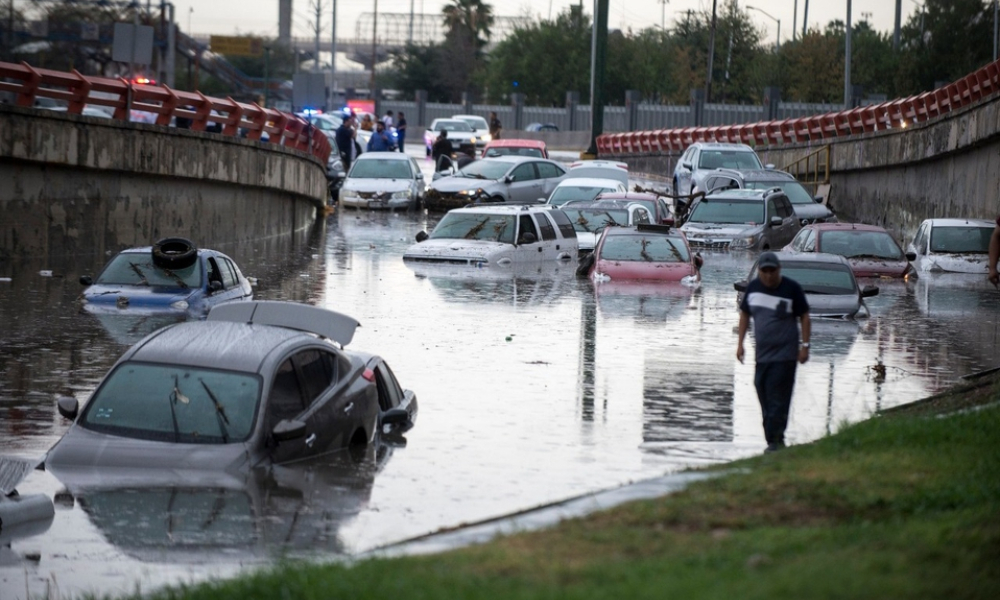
267,75
847,59
371,84
776,20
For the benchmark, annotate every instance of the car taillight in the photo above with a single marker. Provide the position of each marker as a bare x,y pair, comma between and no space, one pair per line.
369,375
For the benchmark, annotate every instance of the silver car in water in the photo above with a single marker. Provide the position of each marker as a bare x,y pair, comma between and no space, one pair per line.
383,180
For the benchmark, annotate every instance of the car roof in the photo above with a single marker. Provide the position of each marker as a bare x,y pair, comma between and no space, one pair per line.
754,174
645,229
627,196
447,120
739,194
383,156
148,249
722,146
503,210
517,143
960,222
511,158
843,226
589,181
223,345
599,163
467,117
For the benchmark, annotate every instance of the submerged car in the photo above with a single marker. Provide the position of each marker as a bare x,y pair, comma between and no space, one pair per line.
602,169
170,277
701,158
642,253
742,219
870,249
383,180
808,208
482,236
659,210
582,188
827,280
504,179
590,218
952,246
257,383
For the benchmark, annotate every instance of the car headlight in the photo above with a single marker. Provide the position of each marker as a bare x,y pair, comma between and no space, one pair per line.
747,241
350,196
472,140
470,192
180,305
404,195
486,138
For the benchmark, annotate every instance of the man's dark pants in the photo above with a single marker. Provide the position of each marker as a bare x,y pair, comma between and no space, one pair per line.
774,382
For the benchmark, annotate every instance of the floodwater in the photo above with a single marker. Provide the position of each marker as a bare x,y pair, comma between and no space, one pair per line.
534,387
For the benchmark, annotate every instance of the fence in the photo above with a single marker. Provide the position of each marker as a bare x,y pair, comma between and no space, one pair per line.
235,118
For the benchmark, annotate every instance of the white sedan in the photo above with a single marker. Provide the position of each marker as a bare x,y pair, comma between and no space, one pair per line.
463,137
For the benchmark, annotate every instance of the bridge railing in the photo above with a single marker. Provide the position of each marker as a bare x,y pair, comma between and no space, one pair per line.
236,119
894,114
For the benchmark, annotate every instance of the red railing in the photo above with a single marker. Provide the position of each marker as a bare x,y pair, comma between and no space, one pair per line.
165,104
866,119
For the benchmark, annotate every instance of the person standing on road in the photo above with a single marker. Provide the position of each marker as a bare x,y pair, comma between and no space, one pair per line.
775,303
387,119
495,126
380,141
344,136
442,147
401,130
994,276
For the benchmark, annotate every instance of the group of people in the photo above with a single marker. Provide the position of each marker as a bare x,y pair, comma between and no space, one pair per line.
381,139
782,330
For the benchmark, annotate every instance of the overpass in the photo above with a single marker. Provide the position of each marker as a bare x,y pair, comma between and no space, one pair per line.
72,178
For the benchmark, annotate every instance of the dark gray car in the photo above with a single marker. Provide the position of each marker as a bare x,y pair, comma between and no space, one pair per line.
808,208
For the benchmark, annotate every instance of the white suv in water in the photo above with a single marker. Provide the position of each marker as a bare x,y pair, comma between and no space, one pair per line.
703,157
483,236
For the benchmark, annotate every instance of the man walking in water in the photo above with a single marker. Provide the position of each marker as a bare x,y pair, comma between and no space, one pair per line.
775,303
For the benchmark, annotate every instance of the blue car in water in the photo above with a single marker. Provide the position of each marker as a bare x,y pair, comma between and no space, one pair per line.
172,277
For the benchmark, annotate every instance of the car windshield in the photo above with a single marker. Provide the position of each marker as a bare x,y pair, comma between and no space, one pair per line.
820,278
593,220
475,226
513,151
860,244
565,193
485,169
450,126
325,123
793,189
137,268
475,122
380,169
174,403
728,159
728,212
966,239
642,248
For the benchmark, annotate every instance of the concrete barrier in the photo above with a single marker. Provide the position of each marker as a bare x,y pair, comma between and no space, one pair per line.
76,184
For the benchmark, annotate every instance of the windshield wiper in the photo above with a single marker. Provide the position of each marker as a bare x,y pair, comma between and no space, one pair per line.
472,233
176,396
872,256
176,277
138,272
611,220
220,412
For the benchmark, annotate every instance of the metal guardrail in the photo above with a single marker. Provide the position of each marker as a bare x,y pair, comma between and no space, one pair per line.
813,168
235,118
894,114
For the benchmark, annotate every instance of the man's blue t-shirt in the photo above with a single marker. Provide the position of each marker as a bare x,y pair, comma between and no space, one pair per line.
775,315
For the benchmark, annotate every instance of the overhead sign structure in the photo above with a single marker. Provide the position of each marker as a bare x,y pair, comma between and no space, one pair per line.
237,46
133,44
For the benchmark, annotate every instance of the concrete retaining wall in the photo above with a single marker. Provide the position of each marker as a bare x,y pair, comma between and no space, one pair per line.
73,185
946,167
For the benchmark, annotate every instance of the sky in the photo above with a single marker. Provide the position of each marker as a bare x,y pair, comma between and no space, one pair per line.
231,17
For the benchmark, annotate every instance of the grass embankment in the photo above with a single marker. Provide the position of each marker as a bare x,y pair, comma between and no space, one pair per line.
905,505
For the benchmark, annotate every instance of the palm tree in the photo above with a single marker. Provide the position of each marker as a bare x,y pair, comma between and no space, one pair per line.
471,16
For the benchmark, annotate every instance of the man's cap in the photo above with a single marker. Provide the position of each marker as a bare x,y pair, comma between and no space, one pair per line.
768,259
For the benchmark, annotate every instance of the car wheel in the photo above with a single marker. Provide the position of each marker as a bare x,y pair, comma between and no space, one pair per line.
497,199
174,253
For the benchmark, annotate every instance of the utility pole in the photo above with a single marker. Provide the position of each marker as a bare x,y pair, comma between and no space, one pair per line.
333,51
409,36
598,53
371,84
711,55
795,17
847,60
663,14
895,34
805,17
319,28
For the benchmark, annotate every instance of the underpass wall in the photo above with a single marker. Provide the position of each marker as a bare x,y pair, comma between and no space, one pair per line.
945,167
72,185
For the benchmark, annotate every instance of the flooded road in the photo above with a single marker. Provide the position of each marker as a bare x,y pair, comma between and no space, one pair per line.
534,387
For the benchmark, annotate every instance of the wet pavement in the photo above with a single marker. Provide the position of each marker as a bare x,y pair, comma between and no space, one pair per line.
534,387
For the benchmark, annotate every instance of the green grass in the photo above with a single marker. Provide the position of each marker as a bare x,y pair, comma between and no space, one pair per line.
905,505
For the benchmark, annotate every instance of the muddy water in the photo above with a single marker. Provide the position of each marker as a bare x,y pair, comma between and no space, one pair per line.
533,387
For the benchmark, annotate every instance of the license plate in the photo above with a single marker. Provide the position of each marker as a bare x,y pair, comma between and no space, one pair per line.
376,204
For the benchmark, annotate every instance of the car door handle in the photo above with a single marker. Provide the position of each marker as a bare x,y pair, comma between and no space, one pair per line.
311,440
349,407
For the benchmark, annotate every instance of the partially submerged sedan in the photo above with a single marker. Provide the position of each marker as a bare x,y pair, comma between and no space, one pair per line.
643,253
257,383
826,279
952,246
383,180
504,179
483,236
870,249
172,277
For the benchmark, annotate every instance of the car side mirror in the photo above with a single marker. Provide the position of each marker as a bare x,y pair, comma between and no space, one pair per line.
769,166
421,236
776,221
911,256
818,199
686,165
541,200
528,238
740,286
420,175
288,429
68,407
86,280
869,291
215,285
395,416
508,178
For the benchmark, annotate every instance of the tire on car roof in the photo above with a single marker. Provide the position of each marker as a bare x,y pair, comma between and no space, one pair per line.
174,253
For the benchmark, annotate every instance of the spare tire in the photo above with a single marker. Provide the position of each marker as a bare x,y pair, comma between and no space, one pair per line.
174,253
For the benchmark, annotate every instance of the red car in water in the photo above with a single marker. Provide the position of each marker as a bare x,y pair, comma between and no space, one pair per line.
870,249
644,252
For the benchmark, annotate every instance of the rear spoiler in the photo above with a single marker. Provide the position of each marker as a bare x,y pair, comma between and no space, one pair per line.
292,315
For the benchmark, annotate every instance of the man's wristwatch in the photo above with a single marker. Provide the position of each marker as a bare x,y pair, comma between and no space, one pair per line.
804,344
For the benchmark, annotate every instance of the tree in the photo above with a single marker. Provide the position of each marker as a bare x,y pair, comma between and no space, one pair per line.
950,40
468,25
472,17
419,68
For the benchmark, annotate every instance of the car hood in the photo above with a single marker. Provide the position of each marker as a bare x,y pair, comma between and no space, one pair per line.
457,251
100,297
956,263
715,230
878,267
812,212
375,185
453,184
834,305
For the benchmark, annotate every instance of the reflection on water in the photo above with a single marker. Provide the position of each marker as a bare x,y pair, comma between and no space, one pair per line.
534,387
